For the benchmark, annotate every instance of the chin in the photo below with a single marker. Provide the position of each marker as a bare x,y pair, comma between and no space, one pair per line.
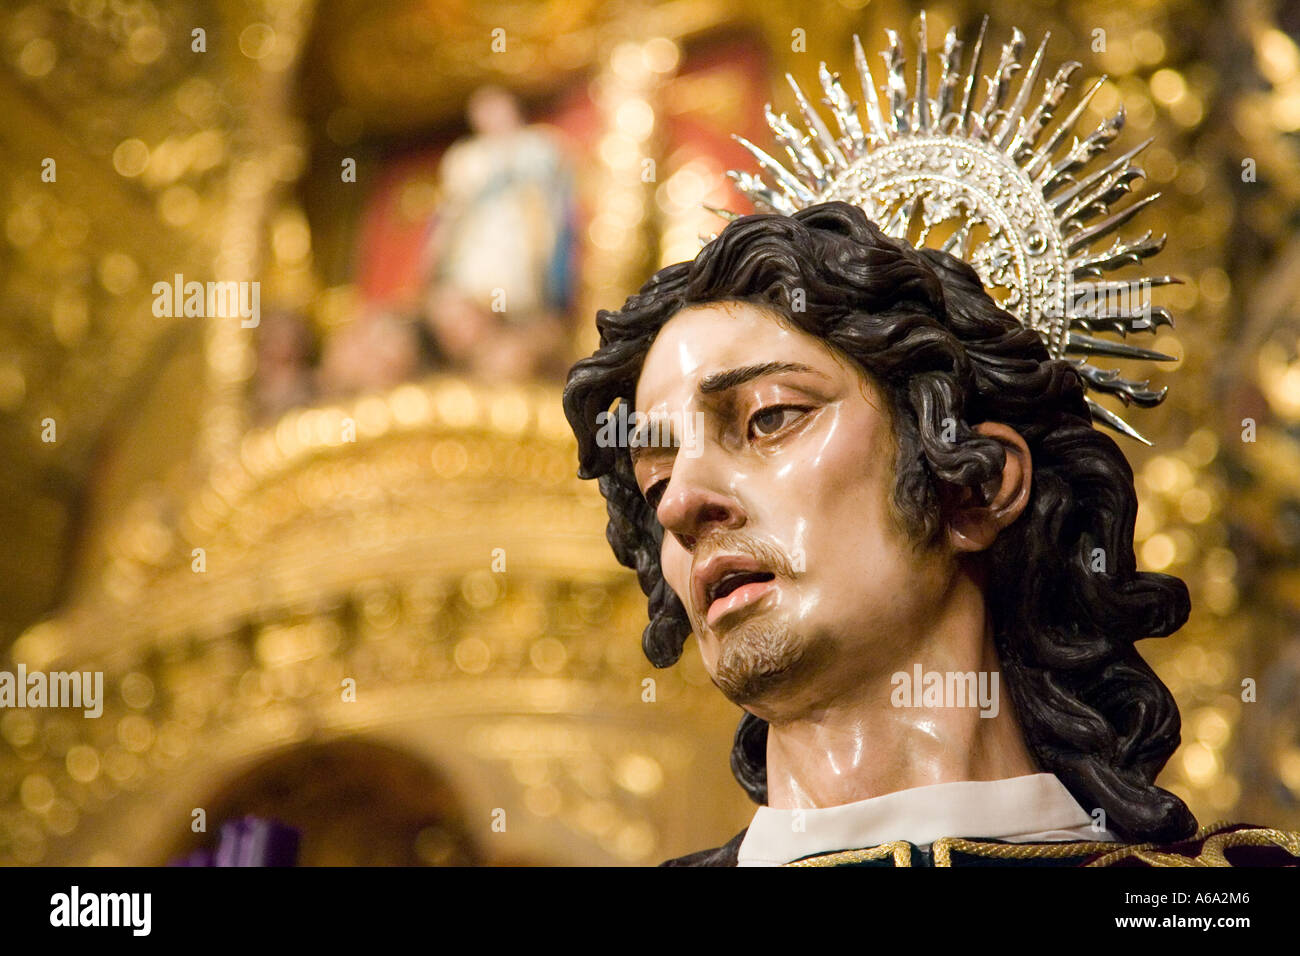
757,658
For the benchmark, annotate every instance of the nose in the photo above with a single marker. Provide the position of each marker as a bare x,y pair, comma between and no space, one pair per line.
697,501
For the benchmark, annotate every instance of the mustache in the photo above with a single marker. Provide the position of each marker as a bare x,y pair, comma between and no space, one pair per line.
765,553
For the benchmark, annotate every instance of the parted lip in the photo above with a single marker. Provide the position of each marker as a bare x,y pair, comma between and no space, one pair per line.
709,573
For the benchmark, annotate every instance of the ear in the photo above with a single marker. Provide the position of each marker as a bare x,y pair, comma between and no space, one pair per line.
973,526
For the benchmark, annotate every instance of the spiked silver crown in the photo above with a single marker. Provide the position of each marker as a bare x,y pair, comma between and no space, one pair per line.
987,185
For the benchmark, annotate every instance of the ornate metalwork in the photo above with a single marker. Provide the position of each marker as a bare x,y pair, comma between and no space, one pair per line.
1027,216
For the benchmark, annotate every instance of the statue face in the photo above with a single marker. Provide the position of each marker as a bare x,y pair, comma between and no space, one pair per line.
780,540
493,111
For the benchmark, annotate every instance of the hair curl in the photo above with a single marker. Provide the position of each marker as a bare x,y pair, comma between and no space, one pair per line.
920,325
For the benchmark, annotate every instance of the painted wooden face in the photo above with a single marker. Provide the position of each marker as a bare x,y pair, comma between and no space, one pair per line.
780,539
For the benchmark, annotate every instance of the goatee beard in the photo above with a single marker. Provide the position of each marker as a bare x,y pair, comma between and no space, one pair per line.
756,658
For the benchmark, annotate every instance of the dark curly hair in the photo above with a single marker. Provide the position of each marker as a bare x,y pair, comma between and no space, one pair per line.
920,325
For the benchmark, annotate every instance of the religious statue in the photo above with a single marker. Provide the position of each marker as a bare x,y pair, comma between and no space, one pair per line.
501,249
876,495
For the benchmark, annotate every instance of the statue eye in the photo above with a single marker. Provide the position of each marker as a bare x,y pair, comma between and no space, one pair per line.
768,421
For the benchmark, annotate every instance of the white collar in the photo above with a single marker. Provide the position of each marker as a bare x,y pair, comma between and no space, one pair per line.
1030,809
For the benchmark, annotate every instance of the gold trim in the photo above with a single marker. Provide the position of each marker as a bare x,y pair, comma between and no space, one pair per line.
944,846
900,849
1259,836
1212,850
1124,851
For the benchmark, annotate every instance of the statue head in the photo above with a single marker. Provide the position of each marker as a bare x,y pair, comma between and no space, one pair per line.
829,430
493,110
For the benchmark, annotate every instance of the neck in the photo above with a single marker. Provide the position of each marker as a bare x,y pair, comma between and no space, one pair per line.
886,734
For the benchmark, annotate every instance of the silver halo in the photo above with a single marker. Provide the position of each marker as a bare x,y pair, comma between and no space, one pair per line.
1025,219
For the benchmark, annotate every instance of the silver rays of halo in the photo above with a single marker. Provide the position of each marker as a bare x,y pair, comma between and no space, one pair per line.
925,160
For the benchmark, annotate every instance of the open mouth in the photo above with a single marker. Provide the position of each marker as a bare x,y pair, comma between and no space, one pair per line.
733,580
737,590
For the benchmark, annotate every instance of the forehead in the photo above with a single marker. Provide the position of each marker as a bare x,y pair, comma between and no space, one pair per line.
704,339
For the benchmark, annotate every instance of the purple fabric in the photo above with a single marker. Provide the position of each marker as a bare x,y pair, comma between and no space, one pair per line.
250,841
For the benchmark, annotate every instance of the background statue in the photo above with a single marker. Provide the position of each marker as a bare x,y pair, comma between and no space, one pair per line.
501,249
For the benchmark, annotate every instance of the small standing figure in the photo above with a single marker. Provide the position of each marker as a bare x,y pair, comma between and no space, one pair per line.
500,254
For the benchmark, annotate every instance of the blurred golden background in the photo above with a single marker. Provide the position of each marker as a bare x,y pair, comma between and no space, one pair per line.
336,567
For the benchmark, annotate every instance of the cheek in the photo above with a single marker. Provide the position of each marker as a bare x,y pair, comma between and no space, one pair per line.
675,566
852,544
845,480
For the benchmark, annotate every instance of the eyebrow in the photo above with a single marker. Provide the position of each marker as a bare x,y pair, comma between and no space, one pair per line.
733,377
729,379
